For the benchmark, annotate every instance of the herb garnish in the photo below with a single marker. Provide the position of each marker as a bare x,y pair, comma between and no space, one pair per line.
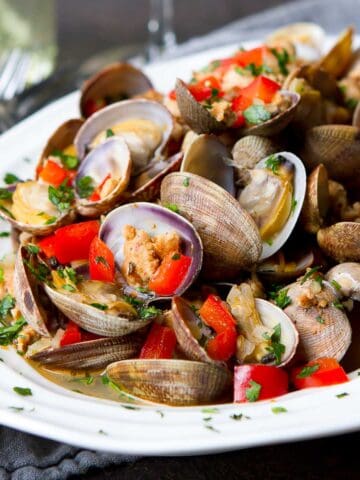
283,59
210,427
62,196
186,181
210,410
110,133
100,306
239,416
162,414
102,260
309,274
336,285
308,371
5,194
293,205
69,288
275,347
253,391
277,410
87,380
50,220
320,319
9,333
6,305
342,395
280,296
351,103
25,392
32,249
41,272
10,178
69,161
172,207
85,186
273,163
176,256
2,278
256,114
102,432
338,304
4,234
257,70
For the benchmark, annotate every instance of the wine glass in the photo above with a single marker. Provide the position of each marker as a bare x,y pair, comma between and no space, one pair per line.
162,37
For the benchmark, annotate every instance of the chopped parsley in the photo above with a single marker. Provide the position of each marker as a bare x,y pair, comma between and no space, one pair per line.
110,133
32,249
239,416
273,163
253,391
148,312
99,306
87,380
16,409
351,103
309,274
176,256
308,371
336,285
102,432
69,288
62,197
10,178
186,181
293,205
277,410
275,347
50,220
69,273
9,333
41,272
130,407
69,161
5,194
283,59
210,427
4,234
320,319
85,186
342,395
162,414
5,210
2,278
102,260
211,410
6,305
338,304
256,114
257,70
172,207
280,297
25,392
270,241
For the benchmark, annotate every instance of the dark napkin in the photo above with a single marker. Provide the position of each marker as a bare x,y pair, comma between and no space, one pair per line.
28,457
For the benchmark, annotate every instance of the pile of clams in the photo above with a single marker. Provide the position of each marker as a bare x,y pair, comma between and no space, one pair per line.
239,189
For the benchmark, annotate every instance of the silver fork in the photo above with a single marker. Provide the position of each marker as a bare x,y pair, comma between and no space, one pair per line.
13,73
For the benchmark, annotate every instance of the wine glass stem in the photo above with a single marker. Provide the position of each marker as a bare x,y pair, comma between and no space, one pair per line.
160,27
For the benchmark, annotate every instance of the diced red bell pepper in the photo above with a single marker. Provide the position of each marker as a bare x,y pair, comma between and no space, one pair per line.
204,89
72,242
172,95
160,342
262,88
318,373
215,313
47,245
92,106
53,173
95,196
71,335
259,382
171,274
255,56
241,103
101,261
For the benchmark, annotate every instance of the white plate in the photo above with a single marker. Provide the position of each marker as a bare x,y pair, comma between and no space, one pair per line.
63,415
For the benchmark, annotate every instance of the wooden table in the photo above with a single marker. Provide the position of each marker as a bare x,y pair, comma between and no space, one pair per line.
86,27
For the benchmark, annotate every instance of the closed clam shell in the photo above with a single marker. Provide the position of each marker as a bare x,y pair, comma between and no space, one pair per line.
337,147
230,237
60,139
92,319
341,241
26,295
249,150
316,201
173,382
118,80
111,157
183,316
324,332
93,354
346,278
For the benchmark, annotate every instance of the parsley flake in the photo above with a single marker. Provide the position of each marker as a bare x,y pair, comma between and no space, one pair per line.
336,285
99,306
320,319
102,260
309,274
5,194
186,181
6,305
308,371
61,197
273,163
25,392
210,410
342,395
69,161
85,186
172,207
276,347
110,133
256,114
253,391
278,410
4,234
10,178
9,333
283,59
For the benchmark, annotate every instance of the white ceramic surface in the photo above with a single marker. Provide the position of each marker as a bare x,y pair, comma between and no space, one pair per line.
70,417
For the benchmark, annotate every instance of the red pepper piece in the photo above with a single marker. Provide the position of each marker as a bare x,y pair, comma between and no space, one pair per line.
318,373
47,245
172,95
241,103
53,173
215,313
160,343
95,196
204,89
92,106
101,261
171,274
72,242
262,88
71,335
259,382
247,57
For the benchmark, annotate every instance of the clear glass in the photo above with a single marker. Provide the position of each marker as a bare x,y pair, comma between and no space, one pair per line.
160,27
27,43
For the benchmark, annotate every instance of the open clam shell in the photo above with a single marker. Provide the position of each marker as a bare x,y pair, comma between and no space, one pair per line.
26,294
118,81
316,201
127,111
341,241
338,148
184,318
153,219
346,278
93,354
299,188
173,382
92,319
62,138
111,157
201,121
278,269
324,332
230,237
338,59
249,150
206,157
